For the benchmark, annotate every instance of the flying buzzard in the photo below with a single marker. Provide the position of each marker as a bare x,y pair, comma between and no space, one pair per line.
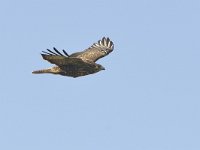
79,63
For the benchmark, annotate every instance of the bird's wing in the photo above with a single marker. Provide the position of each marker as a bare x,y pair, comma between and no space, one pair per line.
98,50
59,59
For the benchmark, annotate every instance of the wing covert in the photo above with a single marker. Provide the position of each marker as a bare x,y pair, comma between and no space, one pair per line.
98,50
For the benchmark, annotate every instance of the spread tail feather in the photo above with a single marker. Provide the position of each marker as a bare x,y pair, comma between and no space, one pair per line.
42,71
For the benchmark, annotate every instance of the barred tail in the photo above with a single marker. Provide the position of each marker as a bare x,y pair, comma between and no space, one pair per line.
42,71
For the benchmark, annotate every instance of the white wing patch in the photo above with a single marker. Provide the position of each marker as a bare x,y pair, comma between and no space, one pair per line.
104,43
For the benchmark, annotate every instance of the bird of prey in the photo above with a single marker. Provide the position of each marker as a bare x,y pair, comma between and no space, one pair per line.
79,63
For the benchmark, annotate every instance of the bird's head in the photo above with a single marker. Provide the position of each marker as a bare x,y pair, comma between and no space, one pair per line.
100,67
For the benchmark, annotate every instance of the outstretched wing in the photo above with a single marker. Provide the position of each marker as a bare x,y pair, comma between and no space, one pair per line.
98,50
59,59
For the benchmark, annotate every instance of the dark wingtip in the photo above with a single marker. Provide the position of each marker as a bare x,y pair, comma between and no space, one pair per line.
57,53
65,53
55,48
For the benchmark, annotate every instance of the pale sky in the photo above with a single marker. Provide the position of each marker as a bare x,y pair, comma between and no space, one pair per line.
148,98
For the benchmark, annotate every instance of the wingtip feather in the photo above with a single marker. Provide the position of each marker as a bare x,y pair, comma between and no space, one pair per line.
104,42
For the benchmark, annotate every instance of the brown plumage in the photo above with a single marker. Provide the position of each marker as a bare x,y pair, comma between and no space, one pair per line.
80,63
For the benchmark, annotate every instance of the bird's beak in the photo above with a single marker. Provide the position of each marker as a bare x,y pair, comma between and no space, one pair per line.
102,68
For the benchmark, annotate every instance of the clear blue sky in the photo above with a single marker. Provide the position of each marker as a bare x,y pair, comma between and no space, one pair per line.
148,98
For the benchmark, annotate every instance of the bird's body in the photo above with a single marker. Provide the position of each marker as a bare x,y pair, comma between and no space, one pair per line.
80,63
